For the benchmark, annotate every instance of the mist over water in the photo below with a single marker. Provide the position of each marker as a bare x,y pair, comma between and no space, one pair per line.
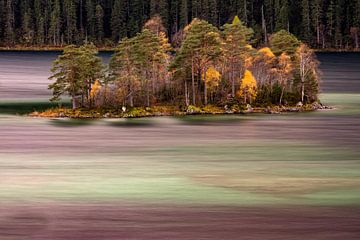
289,176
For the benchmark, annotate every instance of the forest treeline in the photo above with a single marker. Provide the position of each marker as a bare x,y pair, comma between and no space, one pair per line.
209,66
319,23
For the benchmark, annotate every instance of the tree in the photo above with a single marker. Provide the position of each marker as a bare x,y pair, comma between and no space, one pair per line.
212,78
283,41
27,27
248,87
70,20
282,20
123,69
99,23
316,19
201,48
236,39
262,64
118,20
9,22
284,71
74,73
308,71
306,23
55,23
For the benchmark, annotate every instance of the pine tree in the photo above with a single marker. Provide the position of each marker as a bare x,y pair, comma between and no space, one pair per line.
2,19
200,49
39,20
123,70
99,14
316,19
306,24
55,23
90,19
9,25
282,20
284,41
27,26
70,20
74,73
118,20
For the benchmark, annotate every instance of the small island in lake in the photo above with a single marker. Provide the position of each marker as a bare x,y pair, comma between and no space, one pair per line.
203,70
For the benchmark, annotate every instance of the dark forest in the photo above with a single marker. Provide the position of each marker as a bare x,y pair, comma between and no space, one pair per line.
319,23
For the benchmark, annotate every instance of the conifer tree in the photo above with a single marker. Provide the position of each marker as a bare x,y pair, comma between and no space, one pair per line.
118,20
74,73
55,23
99,14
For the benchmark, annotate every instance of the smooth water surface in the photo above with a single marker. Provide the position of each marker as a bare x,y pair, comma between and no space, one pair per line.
289,176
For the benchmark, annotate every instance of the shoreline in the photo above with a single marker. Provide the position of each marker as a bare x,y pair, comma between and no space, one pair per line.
168,111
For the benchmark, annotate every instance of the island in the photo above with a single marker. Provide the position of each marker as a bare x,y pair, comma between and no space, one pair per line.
203,70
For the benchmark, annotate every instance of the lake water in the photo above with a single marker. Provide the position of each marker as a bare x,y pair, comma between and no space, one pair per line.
290,176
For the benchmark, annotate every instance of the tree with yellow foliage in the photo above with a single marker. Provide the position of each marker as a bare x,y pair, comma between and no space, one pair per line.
248,87
95,89
261,65
212,79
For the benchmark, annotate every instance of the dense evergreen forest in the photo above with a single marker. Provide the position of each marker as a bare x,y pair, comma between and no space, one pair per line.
320,23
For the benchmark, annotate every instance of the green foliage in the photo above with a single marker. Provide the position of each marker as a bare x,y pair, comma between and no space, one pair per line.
74,73
283,41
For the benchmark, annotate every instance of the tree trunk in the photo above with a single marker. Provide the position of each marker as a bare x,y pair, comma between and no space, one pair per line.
131,98
186,94
73,101
232,81
282,95
193,82
205,89
148,95
264,24
302,90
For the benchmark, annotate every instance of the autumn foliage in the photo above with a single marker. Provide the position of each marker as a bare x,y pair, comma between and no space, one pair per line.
206,65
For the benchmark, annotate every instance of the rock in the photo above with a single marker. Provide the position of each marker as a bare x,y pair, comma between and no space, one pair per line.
316,106
107,115
249,109
293,110
62,115
300,104
267,110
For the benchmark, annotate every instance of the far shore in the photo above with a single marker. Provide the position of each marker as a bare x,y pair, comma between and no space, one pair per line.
112,49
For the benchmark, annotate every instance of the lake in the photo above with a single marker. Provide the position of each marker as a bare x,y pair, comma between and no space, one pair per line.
289,176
